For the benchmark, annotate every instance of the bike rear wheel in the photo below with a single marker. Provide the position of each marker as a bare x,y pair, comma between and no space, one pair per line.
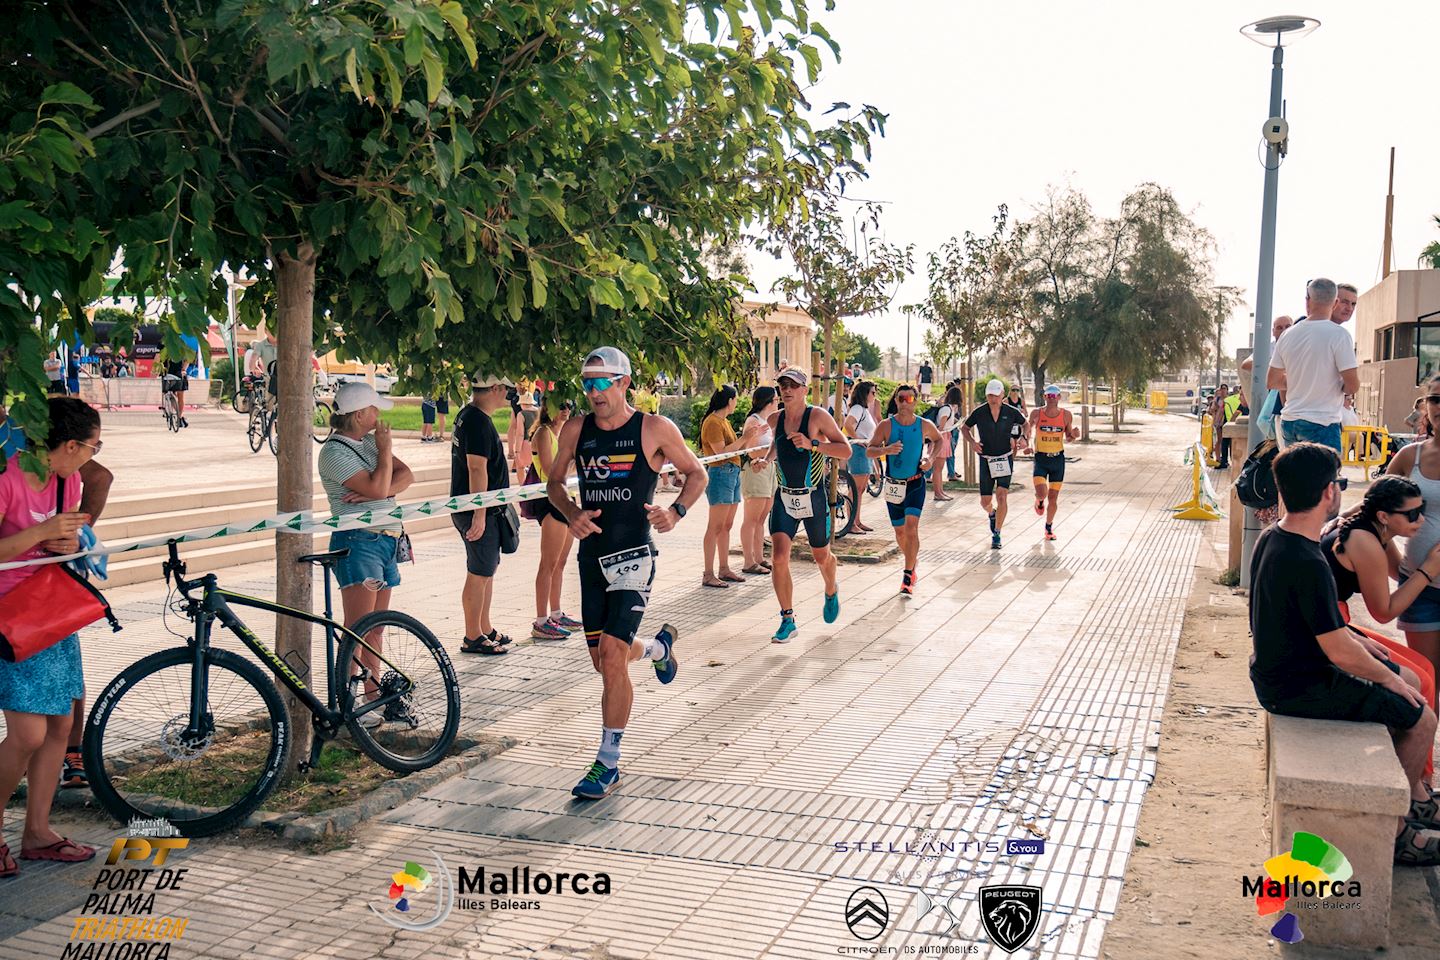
875,483
143,762
843,511
255,429
272,433
412,685
321,420
241,401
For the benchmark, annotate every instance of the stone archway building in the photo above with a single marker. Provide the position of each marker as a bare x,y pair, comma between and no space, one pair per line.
780,332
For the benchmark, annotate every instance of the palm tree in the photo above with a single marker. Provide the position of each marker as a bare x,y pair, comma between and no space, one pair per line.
1430,256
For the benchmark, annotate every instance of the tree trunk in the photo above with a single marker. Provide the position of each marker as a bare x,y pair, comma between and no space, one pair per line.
1115,406
968,386
1084,410
1039,384
295,291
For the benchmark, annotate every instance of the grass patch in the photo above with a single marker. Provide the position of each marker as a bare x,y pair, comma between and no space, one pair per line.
408,418
342,776
1230,578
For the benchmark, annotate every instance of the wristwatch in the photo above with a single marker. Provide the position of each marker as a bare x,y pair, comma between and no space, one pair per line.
679,509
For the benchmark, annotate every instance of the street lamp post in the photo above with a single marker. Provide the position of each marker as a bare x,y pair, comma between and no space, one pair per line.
1274,31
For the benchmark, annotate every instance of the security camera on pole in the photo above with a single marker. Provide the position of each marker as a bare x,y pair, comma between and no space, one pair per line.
1274,31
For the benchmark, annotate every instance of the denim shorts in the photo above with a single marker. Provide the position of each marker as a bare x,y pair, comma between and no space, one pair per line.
859,459
1423,614
371,560
724,485
1297,431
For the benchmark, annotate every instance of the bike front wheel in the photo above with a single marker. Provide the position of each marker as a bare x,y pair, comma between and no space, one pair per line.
843,510
875,483
146,758
409,681
272,434
241,401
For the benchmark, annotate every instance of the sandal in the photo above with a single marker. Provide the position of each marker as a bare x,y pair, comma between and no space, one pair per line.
494,645
717,583
755,570
1407,854
732,578
63,850
8,866
1425,811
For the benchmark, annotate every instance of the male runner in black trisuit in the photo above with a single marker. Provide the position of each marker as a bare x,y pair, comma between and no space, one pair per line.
619,452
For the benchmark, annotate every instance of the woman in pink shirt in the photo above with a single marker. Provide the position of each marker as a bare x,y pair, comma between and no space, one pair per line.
37,693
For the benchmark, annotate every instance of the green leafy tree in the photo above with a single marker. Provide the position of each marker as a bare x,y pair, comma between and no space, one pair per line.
491,186
1430,256
854,347
830,279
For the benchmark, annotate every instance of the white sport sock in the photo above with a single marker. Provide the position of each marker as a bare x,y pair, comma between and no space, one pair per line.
610,746
653,649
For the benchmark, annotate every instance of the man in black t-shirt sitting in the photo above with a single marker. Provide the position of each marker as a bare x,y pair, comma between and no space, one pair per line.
1307,663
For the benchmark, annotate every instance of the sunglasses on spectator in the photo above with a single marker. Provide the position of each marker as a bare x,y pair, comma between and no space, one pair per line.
597,384
1432,399
1413,514
1344,482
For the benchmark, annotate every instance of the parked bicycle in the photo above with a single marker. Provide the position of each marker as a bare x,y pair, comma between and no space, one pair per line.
264,410
199,735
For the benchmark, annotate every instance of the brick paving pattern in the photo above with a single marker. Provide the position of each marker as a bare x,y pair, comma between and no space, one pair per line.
1018,695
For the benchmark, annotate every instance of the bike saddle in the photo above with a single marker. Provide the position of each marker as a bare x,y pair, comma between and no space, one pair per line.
325,559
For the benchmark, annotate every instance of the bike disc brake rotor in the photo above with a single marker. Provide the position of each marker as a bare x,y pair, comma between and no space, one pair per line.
178,746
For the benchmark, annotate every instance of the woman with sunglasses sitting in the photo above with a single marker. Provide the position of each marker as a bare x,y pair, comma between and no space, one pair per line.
1360,549
1420,463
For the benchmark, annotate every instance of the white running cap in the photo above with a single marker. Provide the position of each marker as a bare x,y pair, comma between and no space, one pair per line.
994,389
352,396
609,360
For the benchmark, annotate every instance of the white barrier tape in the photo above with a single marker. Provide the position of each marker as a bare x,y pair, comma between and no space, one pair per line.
304,521
1205,487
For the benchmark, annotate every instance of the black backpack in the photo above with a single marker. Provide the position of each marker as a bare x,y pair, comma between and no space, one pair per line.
1255,487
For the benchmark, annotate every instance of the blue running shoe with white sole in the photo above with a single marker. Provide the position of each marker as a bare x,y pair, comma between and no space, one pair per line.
598,782
666,669
786,631
832,606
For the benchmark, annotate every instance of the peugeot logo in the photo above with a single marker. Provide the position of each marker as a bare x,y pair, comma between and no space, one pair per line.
867,913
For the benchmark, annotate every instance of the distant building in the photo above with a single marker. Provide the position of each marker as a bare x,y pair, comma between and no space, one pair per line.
781,332
1396,352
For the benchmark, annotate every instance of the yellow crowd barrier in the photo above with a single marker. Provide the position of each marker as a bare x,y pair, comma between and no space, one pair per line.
1207,439
1203,504
1159,401
1364,446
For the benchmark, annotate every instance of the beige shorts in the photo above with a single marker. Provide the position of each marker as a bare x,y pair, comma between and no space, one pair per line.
760,484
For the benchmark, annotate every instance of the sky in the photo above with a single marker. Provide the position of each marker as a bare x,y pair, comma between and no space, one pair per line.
988,103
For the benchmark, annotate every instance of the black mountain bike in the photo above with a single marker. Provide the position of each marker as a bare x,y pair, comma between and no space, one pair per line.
199,735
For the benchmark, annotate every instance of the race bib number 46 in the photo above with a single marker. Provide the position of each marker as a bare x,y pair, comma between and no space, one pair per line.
797,502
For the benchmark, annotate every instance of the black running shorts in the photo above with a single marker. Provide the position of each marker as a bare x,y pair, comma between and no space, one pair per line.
1342,696
989,483
603,610
1050,467
817,525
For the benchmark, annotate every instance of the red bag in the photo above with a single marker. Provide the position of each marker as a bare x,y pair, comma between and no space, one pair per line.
48,606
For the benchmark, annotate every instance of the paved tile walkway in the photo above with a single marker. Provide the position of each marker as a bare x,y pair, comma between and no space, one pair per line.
1017,696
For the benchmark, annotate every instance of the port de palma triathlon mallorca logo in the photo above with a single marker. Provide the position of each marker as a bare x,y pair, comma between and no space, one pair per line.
408,883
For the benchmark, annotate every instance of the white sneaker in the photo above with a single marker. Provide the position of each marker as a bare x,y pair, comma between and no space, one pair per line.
371,720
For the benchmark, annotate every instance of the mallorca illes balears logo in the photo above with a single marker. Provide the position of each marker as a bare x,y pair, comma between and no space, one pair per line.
1314,871
513,889
407,884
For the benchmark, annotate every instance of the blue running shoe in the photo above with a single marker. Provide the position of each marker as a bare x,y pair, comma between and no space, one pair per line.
666,669
598,782
995,541
786,631
832,606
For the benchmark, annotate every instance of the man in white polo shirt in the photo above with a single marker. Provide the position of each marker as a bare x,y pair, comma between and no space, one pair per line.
1315,365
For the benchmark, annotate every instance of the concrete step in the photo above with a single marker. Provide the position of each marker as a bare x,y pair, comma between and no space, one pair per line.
230,552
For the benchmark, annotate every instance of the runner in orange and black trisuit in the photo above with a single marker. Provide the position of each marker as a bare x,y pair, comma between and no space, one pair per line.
1051,427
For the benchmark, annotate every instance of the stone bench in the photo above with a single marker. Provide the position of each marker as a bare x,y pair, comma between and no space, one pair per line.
1343,782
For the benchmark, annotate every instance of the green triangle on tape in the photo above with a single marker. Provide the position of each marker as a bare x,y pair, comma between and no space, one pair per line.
295,521
258,526
331,521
